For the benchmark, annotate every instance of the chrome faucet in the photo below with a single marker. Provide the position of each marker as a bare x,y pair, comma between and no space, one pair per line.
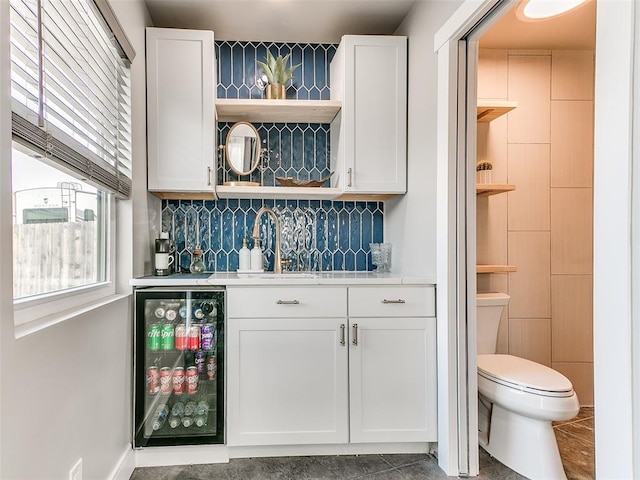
255,234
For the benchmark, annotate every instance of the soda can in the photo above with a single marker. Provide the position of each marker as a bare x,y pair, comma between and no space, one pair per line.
206,334
181,337
153,380
182,312
165,381
198,314
192,380
153,337
171,314
199,357
178,380
166,337
194,337
212,367
159,312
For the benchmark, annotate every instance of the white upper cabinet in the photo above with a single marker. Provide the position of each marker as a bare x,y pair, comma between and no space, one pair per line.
368,138
181,121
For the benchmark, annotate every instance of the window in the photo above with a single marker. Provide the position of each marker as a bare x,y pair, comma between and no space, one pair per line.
60,229
70,90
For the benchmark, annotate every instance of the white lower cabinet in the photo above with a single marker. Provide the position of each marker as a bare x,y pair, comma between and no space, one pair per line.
323,377
392,380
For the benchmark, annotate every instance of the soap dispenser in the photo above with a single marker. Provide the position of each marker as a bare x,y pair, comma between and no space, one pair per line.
244,260
256,256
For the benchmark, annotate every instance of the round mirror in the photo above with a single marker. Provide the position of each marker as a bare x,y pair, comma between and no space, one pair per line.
242,149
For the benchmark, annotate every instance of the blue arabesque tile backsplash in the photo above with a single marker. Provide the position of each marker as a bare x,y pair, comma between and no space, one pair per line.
316,235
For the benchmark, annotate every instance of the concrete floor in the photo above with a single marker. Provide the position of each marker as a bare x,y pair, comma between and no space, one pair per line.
575,441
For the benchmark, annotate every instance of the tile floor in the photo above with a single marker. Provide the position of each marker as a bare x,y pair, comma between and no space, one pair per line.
575,440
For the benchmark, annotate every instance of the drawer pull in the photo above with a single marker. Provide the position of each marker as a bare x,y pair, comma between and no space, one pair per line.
342,335
288,302
355,334
394,301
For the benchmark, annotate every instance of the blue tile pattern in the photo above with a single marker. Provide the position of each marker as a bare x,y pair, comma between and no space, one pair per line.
315,235
238,72
297,150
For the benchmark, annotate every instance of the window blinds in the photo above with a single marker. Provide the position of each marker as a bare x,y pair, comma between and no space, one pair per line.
70,90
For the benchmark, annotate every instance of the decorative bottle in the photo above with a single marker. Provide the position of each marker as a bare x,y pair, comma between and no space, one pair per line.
197,264
256,256
244,262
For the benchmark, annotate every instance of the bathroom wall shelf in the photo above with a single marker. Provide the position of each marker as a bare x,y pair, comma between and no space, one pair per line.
277,111
489,110
495,268
488,189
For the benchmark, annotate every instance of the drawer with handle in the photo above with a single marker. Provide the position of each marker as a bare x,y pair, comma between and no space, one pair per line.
286,302
392,301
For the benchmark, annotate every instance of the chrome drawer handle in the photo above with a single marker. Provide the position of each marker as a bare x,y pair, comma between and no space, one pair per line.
342,334
355,334
288,302
394,301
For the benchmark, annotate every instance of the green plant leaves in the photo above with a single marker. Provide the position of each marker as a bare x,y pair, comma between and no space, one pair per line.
276,68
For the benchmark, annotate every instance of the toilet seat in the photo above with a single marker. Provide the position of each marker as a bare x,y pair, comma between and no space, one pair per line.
524,375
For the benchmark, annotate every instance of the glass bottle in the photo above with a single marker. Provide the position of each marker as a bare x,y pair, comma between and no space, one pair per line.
197,264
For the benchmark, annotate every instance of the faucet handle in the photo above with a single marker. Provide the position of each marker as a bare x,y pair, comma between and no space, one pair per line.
285,262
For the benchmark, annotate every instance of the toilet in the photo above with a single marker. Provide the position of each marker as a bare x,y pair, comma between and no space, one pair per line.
517,401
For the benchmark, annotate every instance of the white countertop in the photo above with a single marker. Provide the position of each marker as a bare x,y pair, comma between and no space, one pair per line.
270,278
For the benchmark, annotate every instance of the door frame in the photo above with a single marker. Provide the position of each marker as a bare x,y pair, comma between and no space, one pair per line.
616,317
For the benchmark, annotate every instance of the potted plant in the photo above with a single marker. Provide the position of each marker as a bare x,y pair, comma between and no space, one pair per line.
483,172
277,73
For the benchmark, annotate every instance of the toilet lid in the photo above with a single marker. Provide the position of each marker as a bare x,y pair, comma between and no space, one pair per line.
523,374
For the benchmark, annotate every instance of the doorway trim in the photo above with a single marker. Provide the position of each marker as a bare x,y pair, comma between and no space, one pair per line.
616,227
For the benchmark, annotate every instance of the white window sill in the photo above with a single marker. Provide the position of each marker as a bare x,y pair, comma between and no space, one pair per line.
46,321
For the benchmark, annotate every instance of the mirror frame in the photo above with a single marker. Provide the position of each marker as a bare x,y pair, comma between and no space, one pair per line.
256,152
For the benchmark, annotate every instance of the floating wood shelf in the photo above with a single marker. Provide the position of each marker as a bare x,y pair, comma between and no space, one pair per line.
495,268
489,110
284,193
277,111
488,189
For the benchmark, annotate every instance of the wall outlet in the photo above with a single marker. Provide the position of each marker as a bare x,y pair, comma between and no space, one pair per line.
76,471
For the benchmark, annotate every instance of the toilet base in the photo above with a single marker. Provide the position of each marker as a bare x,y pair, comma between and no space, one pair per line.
526,445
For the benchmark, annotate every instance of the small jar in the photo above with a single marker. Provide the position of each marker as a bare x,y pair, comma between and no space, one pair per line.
197,264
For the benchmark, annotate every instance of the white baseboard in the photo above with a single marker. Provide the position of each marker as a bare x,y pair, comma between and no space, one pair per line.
310,450
184,455
124,467
200,454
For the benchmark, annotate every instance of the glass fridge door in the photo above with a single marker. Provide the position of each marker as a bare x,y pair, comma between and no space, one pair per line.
179,357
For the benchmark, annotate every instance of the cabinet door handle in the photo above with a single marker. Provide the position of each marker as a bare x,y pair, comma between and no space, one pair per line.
394,301
355,334
350,172
343,341
288,302
208,176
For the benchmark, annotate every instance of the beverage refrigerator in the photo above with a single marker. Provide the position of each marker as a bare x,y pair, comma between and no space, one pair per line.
179,366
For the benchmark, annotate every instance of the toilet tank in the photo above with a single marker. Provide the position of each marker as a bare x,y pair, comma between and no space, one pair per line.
489,311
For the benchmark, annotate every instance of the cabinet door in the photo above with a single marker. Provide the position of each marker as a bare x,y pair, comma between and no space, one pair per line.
392,375
180,110
287,382
373,130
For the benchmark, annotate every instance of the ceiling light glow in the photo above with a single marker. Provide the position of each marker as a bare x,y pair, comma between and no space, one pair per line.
539,9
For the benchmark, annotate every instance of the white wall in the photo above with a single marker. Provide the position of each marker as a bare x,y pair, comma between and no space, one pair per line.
410,220
65,391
